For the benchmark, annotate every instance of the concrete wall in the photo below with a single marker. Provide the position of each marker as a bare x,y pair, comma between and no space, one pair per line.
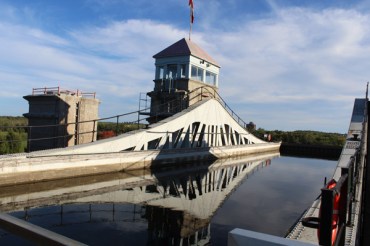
88,110
22,169
67,115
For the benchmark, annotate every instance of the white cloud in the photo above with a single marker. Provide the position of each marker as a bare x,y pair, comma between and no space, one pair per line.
115,60
129,39
298,57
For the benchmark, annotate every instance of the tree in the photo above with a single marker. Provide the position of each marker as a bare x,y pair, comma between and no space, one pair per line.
4,148
14,140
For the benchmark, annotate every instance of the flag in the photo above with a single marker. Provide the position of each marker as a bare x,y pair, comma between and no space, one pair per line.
191,4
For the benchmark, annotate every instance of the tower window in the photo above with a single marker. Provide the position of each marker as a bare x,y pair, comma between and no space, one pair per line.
183,70
210,78
196,73
172,71
160,72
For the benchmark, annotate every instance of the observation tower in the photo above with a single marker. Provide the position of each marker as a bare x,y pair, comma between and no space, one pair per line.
180,69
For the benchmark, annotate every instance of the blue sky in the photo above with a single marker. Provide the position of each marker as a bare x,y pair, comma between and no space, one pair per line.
285,64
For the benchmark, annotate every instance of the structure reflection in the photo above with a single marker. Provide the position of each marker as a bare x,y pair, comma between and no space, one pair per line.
176,204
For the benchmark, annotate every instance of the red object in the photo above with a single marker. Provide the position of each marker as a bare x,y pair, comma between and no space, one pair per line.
106,134
331,185
191,4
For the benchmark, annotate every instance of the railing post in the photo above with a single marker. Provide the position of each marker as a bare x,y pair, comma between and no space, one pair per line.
326,213
138,112
343,201
65,134
351,188
29,139
93,133
117,125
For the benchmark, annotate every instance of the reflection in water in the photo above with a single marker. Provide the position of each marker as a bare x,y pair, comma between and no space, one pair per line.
171,207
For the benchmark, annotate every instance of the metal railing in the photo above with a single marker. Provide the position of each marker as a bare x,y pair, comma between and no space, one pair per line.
57,91
204,90
194,96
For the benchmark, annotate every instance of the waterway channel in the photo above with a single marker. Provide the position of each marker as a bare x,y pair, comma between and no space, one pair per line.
194,204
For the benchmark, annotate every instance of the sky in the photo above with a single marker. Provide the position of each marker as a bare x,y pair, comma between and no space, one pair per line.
285,64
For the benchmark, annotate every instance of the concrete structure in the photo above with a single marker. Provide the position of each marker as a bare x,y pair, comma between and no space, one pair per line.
180,69
56,118
186,136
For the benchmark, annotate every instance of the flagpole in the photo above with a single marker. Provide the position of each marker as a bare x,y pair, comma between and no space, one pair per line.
191,24
191,5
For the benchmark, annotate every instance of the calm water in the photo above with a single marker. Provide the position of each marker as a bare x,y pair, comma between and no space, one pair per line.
196,204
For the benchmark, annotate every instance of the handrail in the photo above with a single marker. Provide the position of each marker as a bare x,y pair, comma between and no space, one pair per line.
217,96
57,90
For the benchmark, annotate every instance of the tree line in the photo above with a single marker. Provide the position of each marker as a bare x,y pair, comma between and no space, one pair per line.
302,137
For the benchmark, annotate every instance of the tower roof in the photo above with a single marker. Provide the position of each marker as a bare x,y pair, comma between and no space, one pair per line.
185,47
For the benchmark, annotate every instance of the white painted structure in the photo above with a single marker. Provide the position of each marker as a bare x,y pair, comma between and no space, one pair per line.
204,131
205,124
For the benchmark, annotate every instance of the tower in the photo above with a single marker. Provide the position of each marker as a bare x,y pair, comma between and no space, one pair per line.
181,68
60,118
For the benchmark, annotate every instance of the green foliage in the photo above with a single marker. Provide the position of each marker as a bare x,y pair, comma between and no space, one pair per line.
17,124
4,148
303,137
120,128
13,136
14,140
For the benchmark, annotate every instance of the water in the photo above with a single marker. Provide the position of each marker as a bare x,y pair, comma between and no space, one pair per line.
193,205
